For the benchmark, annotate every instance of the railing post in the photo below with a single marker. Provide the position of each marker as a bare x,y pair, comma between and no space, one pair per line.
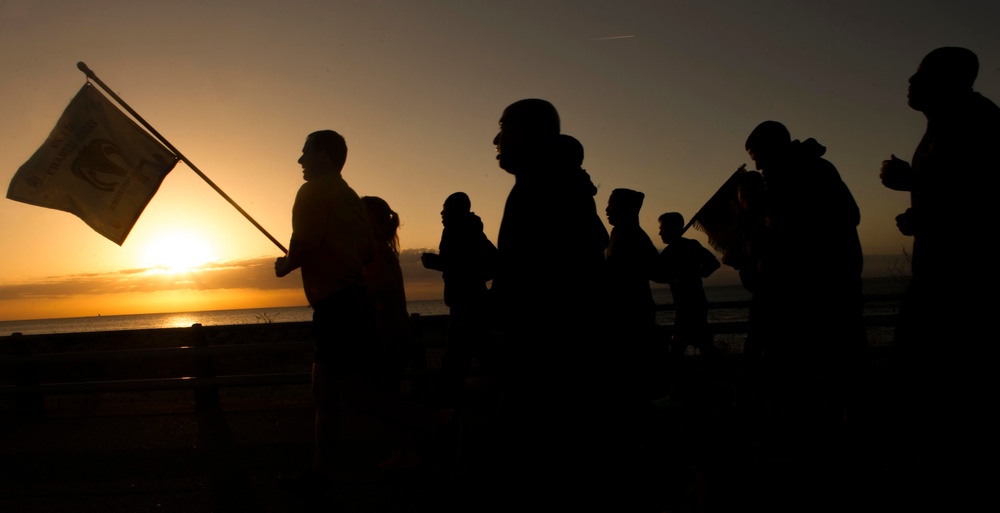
205,398
26,375
417,359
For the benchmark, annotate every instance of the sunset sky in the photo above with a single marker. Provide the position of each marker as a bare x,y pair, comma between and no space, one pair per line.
661,93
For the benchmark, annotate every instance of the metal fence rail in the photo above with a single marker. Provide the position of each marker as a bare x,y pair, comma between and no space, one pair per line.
206,358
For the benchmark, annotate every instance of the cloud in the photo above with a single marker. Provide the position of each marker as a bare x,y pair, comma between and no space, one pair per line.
258,274
254,273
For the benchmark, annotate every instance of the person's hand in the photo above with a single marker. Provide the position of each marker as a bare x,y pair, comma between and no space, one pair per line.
896,174
906,222
430,260
281,267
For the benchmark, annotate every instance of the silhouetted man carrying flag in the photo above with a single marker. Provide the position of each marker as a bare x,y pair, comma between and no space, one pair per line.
331,243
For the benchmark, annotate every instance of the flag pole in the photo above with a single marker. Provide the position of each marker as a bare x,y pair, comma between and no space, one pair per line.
90,75
691,221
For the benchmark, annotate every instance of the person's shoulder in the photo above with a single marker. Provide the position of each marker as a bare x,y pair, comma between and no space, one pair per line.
680,247
330,190
471,222
695,245
316,187
334,183
645,236
986,108
830,171
982,102
691,245
307,190
318,183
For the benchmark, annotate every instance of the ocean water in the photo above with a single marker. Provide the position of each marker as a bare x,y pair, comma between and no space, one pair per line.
304,313
184,319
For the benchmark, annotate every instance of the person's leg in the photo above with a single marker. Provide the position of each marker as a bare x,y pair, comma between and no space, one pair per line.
358,393
328,417
456,360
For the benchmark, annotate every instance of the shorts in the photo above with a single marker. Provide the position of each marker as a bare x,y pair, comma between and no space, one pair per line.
344,329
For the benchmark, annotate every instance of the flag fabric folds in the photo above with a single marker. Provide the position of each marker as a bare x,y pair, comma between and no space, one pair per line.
719,218
97,164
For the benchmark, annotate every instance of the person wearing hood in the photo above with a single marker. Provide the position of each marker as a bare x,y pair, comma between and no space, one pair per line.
810,276
813,215
631,259
814,251
467,261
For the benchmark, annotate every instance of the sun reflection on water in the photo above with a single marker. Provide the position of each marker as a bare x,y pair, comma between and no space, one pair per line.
180,321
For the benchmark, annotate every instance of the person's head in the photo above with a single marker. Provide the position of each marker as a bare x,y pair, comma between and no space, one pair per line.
750,190
768,143
624,206
570,151
526,126
383,222
943,74
456,204
324,152
671,226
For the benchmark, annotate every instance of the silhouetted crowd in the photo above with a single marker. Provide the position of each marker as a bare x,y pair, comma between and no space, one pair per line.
597,408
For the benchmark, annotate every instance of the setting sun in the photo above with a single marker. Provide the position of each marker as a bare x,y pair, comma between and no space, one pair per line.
177,252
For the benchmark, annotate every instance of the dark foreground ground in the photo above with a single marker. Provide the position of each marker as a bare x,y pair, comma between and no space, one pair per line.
166,459
156,453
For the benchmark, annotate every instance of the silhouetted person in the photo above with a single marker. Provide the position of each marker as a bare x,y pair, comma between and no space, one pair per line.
548,291
331,243
467,261
943,321
551,241
813,248
631,258
811,275
747,258
385,282
550,235
393,329
683,264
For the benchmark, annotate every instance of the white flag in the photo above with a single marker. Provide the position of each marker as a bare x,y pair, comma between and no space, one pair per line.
97,164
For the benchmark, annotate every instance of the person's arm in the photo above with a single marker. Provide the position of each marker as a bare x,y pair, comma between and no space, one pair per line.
897,174
709,264
662,271
649,258
305,229
907,223
298,252
431,261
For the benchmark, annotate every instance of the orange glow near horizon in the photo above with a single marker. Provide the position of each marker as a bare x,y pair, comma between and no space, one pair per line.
151,302
417,91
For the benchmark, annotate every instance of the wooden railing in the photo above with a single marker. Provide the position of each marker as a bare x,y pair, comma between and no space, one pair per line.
207,358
